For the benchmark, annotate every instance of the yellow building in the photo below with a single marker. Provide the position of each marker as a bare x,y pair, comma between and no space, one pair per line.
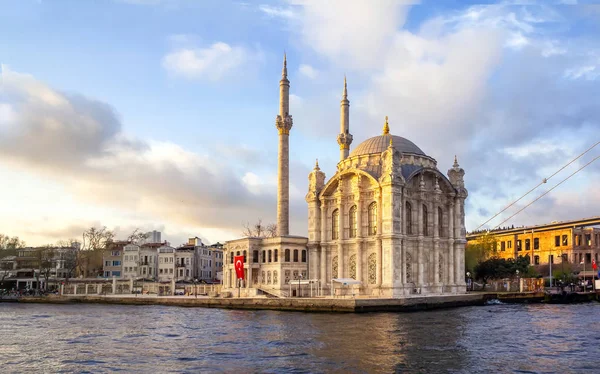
570,241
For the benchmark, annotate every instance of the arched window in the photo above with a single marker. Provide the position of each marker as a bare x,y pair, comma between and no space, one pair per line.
245,258
295,255
275,259
408,218
270,255
352,217
304,255
373,219
440,221
275,275
353,266
269,277
255,256
425,221
237,253
232,257
264,256
335,224
287,255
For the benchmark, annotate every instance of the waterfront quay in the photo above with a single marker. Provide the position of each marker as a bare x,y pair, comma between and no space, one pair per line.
342,305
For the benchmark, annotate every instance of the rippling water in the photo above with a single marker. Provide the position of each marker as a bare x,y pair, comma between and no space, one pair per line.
490,339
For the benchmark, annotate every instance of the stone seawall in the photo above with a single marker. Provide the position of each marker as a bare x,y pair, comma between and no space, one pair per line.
296,304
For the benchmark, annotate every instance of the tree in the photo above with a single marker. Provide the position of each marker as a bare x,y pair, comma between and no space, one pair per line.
485,247
95,242
496,268
9,246
259,230
136,237
46,262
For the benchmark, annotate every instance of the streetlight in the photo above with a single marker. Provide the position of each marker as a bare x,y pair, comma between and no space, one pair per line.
196,287
584,281
468,281
518,280
299,278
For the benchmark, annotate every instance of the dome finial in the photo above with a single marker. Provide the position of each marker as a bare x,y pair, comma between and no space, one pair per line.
455,162
317,165
386,127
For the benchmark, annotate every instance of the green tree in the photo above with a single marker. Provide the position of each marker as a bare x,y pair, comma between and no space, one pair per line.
475,252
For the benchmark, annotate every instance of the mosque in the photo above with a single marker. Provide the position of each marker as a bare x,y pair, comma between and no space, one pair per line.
388,223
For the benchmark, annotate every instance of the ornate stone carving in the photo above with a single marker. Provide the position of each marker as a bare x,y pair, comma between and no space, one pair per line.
344,140
284,125
441,268
372,268
353,266
408,268
334,267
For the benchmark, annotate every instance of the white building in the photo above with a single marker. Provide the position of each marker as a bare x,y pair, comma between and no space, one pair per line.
131,255
166,263
388,218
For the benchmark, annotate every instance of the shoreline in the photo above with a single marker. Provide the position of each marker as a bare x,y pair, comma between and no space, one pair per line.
331,305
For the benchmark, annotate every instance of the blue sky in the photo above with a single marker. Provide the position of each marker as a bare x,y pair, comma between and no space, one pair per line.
159,114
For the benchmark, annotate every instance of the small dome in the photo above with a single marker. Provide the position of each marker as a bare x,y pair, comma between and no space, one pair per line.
378,144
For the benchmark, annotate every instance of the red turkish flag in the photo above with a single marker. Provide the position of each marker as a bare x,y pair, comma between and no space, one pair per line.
594,266
238,261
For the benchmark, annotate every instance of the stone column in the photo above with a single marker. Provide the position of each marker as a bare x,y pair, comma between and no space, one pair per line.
450,268
436,245
420,243
323,275
340,237
114,285
379,266
99,288
359,236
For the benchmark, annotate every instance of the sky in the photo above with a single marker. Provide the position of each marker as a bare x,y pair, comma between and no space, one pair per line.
160,114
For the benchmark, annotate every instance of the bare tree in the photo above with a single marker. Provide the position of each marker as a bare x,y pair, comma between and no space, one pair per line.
271,230
45,262
259,230
136,237
95,242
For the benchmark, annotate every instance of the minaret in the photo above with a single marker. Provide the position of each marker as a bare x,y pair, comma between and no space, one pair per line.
283,122
344,138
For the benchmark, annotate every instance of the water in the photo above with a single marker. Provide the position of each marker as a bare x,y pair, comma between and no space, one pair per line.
158,339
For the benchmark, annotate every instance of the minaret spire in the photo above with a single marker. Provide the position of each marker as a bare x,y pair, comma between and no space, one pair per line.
284,70
344,138
386,127
283,123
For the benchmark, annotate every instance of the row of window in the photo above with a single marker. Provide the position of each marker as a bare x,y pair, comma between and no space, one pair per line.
372,221
558,241
271,256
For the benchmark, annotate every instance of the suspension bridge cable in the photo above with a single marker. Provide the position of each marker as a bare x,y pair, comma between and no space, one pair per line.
534,188
545,193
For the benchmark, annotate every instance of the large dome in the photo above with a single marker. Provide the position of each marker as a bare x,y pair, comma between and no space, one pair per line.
378,144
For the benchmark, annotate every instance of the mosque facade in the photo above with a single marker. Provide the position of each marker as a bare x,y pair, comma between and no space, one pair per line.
388,219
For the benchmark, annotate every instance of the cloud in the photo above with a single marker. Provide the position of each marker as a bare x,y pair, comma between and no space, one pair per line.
79,142
279,12
352,34
505,87
211,63
308,71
